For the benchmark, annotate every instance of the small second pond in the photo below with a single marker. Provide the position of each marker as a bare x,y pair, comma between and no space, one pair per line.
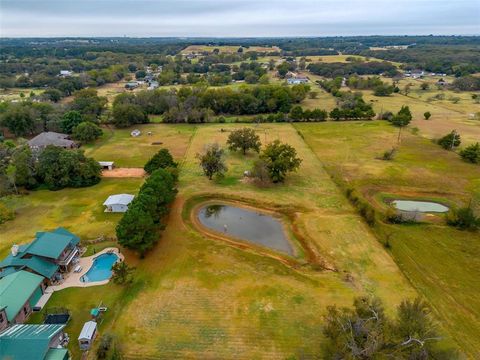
101,268
249,225
420,206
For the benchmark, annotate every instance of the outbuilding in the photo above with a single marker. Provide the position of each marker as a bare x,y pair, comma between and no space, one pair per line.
118,202
87,335
106,165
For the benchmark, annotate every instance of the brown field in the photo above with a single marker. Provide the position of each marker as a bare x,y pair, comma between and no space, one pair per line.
226,49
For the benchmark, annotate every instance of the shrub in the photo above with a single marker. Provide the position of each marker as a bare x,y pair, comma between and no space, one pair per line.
450,141
463,218
471,153
427,115
389,154
5,214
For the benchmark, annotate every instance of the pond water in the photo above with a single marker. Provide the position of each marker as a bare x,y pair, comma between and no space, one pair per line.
420,206
249,225
101,268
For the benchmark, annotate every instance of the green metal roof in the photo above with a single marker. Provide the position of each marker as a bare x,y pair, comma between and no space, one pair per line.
36,264
16,289
28,342
57,354
52,244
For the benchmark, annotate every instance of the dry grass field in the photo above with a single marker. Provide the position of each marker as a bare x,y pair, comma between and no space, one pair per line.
226,49
438,260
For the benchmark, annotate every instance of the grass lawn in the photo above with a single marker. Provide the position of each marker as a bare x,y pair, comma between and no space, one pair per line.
440,262
127,151
79,210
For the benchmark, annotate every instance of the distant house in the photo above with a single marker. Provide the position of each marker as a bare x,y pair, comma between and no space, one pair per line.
290,74
48,255
118,203
132,85
44,139
33,342
153,85
441,82
19,293
297,80
417,74
65,73
87,335
106,165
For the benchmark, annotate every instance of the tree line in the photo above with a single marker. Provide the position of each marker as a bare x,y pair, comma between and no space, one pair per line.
139,228
332,70
54,168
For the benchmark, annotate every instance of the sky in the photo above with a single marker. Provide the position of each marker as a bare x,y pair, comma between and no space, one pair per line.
237,18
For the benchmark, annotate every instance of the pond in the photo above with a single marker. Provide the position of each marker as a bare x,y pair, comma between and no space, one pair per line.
419,206
249,225
101,268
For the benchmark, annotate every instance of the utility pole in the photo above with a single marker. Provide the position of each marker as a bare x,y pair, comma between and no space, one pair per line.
454,134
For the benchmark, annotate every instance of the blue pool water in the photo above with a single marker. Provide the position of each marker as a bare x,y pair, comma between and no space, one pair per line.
101,268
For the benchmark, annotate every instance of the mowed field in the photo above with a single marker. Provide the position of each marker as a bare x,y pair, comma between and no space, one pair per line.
207,299
441,262
126,151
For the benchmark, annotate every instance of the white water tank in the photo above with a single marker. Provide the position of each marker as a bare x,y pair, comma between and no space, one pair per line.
14,250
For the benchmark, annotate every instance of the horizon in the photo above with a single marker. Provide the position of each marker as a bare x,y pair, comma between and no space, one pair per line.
236,18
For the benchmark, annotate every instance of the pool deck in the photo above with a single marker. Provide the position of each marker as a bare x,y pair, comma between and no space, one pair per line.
72,279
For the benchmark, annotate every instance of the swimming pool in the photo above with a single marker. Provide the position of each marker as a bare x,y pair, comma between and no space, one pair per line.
101,268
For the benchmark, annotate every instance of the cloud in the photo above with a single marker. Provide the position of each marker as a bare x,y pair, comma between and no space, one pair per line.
236,17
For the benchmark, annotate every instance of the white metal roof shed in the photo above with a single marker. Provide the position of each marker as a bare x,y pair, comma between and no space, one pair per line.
119,199
88,330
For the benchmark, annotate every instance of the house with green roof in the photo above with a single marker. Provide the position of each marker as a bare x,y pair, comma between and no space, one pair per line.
34,342
19,293
48,255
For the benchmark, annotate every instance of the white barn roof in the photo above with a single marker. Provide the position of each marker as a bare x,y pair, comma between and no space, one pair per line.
88,330
119,199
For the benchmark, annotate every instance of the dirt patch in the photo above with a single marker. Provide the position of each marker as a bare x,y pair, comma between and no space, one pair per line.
124,173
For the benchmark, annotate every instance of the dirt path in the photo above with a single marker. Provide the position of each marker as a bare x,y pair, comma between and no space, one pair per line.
124,173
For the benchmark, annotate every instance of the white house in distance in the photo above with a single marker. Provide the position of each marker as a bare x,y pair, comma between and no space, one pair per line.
65,73
118,202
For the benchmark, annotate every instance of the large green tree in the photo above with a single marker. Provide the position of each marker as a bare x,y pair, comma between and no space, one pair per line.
59,168
19,119
88,103
86,132
125,115
280,159
161,160
212,161
244,139
70,120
